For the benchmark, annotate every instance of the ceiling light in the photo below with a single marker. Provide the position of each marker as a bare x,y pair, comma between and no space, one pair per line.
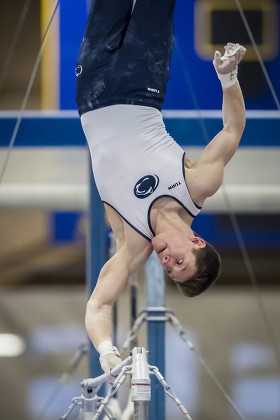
11,345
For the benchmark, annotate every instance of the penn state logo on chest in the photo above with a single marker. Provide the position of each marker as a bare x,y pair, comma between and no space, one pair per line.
146,186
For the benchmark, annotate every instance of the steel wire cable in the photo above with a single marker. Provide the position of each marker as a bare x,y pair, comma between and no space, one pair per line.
234,221
27,93
232,215
182,334
252,276
258,54
24,102
81,351
14,42
239,236
218,385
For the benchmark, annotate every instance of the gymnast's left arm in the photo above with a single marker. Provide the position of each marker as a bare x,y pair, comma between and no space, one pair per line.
209,168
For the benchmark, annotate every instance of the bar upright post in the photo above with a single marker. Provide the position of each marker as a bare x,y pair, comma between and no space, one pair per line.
156,318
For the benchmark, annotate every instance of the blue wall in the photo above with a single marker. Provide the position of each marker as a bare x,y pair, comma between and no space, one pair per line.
37,130
73,15
193,82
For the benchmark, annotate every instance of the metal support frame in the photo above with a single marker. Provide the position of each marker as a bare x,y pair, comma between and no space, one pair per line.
156,331
96,256
92,406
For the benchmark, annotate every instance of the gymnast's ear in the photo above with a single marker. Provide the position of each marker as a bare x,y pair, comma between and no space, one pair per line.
198,241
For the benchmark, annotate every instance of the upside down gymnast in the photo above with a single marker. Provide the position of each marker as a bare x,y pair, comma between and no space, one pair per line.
150,189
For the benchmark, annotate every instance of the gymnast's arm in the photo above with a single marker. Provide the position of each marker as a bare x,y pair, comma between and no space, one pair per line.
132,253
207,173
111,281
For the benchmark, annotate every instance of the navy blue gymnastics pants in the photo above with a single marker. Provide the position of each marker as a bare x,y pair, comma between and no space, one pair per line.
125,55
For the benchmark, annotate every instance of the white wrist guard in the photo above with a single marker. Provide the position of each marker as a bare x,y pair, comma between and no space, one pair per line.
109,356
228,80
106,347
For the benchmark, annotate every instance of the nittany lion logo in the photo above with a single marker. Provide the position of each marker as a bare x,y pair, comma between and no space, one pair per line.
146,186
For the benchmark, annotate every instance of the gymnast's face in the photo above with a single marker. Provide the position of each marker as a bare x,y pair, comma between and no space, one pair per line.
175,253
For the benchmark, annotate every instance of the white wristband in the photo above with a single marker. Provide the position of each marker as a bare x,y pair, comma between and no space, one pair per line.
228,80
106,347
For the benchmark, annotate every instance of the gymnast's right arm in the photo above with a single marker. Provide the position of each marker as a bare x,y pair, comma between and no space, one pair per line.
112,278
111,281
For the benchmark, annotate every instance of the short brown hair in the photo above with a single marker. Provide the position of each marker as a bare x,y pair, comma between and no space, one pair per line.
208,262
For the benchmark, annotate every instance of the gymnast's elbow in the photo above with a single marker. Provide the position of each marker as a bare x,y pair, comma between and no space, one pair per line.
233,134
96,310
240,126
98,321
235,127
91,312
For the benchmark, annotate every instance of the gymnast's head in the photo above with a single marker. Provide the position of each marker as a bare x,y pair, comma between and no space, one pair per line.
190,261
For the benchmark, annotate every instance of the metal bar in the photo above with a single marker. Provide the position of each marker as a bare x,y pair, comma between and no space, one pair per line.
140,384
95,382
141,410
133,306
96,257
156,332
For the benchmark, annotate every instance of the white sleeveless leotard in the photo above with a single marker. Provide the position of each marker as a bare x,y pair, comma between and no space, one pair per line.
135,162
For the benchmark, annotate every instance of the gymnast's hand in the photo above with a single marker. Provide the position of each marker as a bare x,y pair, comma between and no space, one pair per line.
109,357
229,61
226,66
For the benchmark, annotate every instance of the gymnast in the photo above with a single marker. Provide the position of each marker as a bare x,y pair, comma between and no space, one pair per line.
150,189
